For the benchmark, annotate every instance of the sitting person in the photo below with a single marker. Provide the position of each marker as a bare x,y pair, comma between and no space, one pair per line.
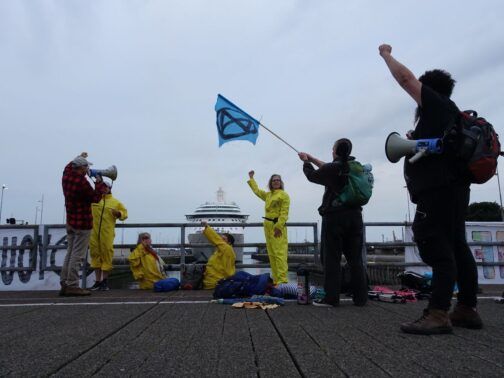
222,262
146,265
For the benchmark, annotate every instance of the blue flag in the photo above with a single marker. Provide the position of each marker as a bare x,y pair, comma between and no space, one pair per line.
233,123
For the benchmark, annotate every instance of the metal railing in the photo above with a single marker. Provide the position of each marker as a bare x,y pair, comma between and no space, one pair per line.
42,249
402,244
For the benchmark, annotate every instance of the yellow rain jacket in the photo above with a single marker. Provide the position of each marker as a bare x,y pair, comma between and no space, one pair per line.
147,267
101,243
276,205
222,262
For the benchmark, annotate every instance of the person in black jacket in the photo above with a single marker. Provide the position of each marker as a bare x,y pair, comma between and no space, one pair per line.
442,197
342,226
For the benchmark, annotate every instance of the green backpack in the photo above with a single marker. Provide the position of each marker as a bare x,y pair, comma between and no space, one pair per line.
359,188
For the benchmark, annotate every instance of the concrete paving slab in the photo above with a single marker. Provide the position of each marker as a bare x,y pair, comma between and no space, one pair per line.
141,333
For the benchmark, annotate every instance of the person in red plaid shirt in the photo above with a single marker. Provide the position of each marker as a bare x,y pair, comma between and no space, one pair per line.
79,194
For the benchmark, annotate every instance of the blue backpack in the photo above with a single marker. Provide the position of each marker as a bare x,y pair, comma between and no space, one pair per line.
242,285
166,284
359,188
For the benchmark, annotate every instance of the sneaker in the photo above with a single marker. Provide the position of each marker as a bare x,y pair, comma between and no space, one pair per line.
74,291
96,285
103,286
432,322
325,303
466,317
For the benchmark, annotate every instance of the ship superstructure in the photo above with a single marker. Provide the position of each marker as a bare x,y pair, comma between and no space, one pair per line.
217,212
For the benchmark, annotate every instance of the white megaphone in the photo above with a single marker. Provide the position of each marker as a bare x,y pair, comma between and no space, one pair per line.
397,147
110,172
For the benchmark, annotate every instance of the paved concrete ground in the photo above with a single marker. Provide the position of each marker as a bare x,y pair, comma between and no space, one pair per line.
136,333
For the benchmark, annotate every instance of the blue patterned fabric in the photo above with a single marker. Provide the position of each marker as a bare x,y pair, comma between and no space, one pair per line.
233,123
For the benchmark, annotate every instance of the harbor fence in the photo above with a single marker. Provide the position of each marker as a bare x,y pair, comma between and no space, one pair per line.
32,249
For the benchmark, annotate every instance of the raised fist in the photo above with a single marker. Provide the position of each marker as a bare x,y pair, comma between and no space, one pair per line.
385,49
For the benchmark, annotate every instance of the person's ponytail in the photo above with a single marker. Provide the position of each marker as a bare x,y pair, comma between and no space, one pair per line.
343,149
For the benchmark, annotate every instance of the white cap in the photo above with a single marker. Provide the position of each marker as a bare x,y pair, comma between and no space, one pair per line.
80,161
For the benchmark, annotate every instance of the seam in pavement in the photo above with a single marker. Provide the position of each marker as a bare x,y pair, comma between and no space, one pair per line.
392,349
322,349
189,343
55,371
296,364
256,363
98,369
356,347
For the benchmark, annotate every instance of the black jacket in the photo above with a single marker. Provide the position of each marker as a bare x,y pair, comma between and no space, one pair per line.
334,176
437,114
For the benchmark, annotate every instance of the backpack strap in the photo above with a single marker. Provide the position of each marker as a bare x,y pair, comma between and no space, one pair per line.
344,172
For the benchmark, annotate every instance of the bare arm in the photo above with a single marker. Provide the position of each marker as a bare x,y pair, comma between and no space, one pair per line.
402,74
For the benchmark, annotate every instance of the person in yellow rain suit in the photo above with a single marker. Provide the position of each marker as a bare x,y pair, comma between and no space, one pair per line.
222,262
277,203
101,243
146,265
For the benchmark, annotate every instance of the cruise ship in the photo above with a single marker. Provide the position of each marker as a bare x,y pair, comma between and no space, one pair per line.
217,212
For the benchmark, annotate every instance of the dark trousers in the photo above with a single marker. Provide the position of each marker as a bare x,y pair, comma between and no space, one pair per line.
439,231
342,233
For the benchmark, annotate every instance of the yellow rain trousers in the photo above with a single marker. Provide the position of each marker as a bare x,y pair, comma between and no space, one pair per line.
277,204
222,262
101,243
147,267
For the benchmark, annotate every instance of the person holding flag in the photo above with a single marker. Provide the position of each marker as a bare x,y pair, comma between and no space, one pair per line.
276,206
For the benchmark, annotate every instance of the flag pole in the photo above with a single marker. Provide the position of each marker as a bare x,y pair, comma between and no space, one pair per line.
279,137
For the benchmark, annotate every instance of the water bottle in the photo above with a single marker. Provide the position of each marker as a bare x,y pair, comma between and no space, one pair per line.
319,293
303,286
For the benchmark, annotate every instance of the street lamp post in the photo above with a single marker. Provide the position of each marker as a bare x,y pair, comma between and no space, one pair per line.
41,208
500,195
1,201
408,203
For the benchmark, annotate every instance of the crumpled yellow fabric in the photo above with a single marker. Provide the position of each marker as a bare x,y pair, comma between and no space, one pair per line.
262,306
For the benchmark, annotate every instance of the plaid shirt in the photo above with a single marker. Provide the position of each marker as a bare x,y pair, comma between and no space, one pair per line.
79,194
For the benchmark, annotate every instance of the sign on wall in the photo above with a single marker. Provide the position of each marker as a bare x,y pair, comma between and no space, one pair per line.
25,266
475,232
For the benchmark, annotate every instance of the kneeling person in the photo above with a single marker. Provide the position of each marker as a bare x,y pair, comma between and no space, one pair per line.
222,262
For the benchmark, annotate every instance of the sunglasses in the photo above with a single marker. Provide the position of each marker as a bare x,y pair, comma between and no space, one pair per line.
145,237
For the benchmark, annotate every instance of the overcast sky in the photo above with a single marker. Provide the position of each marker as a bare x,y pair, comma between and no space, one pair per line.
134,84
